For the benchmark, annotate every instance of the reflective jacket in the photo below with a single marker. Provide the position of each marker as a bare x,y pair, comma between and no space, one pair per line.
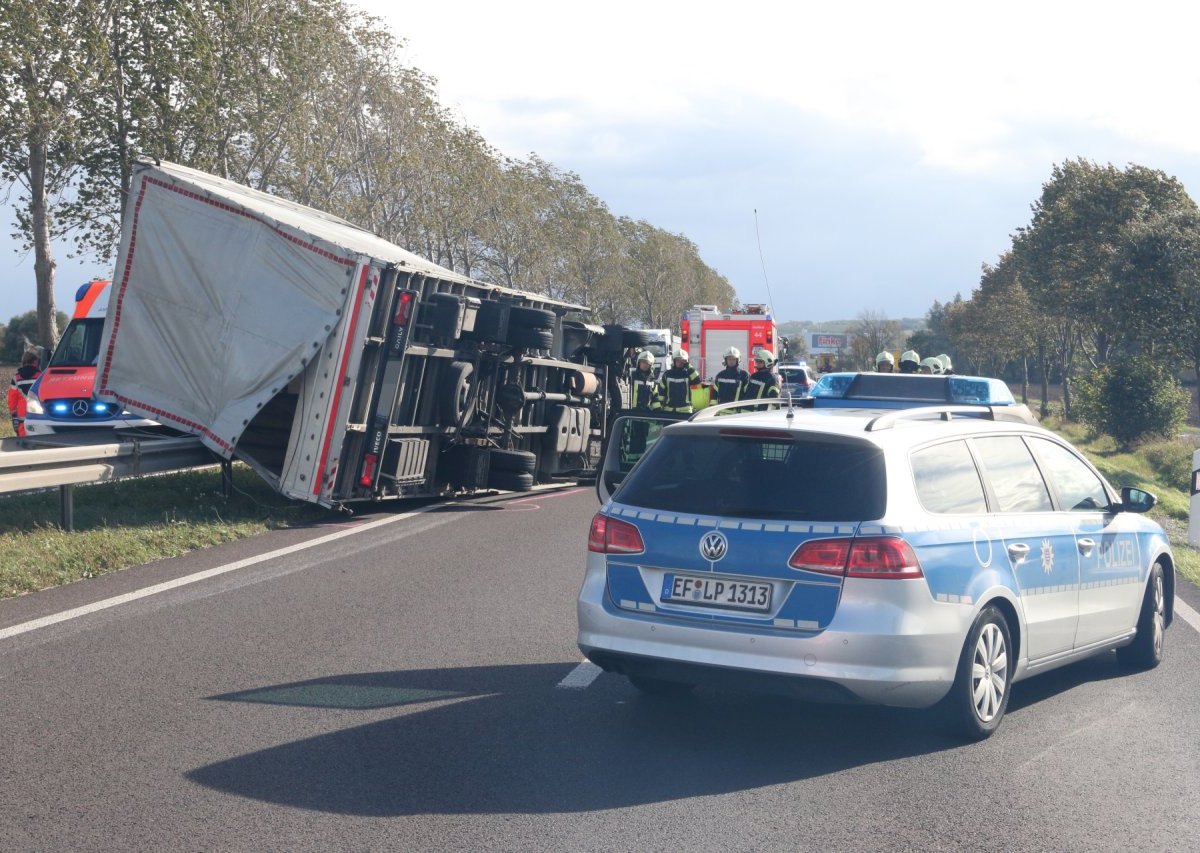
762,384
18,390
643,390
728,384
675,388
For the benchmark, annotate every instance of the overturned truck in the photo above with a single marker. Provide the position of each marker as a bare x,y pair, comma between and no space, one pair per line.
337,365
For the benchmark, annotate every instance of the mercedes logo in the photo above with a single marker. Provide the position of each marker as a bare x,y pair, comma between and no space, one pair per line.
79,408
714,546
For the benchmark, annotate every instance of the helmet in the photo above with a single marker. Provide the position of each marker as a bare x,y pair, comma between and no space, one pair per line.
909,360
733,352
885,356
765,356
679,352
945,360
933,363
645,355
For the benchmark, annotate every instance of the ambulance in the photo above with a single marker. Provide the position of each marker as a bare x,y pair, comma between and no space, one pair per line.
64,397
708,332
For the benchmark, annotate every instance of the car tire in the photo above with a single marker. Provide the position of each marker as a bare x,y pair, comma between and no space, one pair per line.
510,481
1146,650
529,318
982,685
518,461
660,687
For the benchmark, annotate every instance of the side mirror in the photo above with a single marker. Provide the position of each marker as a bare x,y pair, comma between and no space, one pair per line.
1136,500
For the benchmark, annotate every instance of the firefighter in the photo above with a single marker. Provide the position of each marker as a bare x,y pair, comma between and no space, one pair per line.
643,382
930,366
885,363
909,361
728,384
675,386
18,389
764,382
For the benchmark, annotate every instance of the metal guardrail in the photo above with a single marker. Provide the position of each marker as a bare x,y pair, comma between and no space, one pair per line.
92,456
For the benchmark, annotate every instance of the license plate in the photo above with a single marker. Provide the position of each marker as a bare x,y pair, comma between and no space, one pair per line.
716,592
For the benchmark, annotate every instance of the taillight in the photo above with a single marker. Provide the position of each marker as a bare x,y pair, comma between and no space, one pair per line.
404,307
822,555
864,557
612,536
368,470
882,557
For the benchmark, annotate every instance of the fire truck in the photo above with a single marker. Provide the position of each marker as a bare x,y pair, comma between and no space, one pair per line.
707,332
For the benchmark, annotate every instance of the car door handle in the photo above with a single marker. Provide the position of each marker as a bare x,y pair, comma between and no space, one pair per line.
1086,546
1018,551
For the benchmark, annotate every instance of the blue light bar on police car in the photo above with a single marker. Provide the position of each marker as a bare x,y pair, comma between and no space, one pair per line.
908,389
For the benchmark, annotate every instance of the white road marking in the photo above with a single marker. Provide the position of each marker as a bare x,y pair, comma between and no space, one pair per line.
75,613
1185,612
580,677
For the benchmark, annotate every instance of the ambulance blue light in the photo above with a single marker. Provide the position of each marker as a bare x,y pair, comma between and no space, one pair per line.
100,408
60,408
82,291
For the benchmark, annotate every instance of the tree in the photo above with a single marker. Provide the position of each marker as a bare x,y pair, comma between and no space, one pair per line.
872,333
1068,257
49,57
20,334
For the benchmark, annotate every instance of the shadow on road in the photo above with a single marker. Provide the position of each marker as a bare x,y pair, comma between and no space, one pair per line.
514,743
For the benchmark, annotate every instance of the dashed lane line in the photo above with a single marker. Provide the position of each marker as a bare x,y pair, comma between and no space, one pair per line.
581,677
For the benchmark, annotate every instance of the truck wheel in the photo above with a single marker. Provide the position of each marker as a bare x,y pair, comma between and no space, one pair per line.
455,392
530,318
636,338
517,461
539,339
510,481
613,340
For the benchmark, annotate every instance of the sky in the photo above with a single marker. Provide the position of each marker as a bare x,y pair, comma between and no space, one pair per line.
879,152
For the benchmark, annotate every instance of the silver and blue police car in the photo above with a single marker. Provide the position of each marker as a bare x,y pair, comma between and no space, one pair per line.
892,549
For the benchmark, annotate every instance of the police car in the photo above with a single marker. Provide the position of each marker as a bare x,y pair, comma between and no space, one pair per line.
913,556
63,398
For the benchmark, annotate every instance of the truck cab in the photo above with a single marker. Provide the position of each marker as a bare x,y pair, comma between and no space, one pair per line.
64,398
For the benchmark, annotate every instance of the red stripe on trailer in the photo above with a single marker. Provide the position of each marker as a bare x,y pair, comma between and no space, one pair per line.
337,391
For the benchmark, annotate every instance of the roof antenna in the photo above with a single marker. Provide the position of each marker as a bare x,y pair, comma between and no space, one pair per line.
766,281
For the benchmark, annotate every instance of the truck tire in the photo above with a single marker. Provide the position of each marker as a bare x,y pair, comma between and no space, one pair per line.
510,481
516,461
530,318
539,339
636,338
455,392
613,340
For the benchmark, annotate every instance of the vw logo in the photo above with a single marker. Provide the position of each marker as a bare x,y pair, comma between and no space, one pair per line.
714,546
79,408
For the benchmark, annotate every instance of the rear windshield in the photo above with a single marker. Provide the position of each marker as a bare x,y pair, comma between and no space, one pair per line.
803,478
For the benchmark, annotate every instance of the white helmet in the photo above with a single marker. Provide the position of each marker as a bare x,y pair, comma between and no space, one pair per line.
885,356
733,352
767,357
645,355
680,352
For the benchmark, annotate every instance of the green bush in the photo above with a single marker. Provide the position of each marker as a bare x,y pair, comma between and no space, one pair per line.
1132,400
1172,459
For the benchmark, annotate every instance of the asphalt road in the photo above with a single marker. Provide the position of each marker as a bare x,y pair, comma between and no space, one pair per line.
398,689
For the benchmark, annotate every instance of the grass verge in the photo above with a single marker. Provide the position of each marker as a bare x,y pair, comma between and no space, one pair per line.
1162,467
133,522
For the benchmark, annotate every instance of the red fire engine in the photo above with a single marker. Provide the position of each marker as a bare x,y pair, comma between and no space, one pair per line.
708,332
